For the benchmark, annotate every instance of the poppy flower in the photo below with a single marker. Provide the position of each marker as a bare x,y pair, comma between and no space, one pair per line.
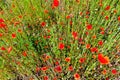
37,69
88,46
46,11
45,78
44,68
114,71
68,17
9,49
24,53
89,27
75,34
71,22
118,18
94,36
55,3
104,71
2,25
58,68
61,46
13,35
94,49
3,48
56,63
107,7
43,24
76,76
67,59
1,20
102,32
1,34
103,59
100,43
70,68
82,60
106,17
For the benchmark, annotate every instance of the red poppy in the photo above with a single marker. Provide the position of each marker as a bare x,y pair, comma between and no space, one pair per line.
106,17
89,27
75,34
114,71
46,11
43,24
107,7
70,68
9,49
102,32
61,46
55,3
103,59
56,63
60,38
45,78
88,46
82,60
19,30
58,68
102,29
37,69
104,71
76,76
68,17
24,53
86,33
94,49
71,22
118,18
2,25
100,43
13,35
1,20
3,48
44,68
1,34
67,59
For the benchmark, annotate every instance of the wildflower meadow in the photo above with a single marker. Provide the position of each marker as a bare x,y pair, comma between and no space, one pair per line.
59,39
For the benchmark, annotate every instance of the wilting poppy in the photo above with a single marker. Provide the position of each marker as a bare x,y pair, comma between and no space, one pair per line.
61,46
76,76
103,59
58,68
